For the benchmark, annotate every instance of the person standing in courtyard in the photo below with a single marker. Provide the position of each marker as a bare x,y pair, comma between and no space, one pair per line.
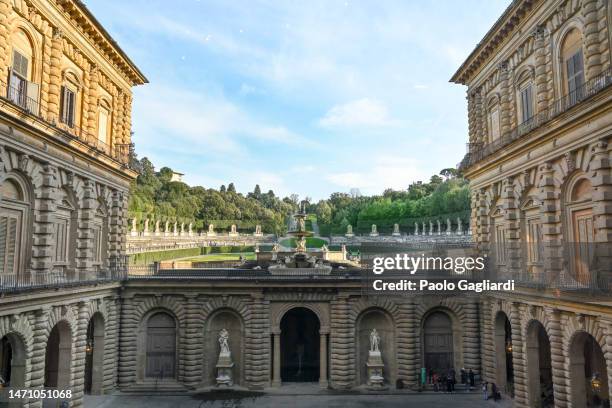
471,379
485,391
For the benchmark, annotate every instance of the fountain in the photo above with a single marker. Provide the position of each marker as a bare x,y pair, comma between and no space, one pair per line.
300,259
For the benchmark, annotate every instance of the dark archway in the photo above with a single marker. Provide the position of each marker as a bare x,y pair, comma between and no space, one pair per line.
94,355
503,354
161,346
539,367
12,363
300,346
588,372
58,357
438,342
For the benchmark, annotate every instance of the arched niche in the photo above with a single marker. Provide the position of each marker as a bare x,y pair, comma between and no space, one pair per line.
539,366
94,355
504,367
231,321
58,356
380,320
441,344
587,362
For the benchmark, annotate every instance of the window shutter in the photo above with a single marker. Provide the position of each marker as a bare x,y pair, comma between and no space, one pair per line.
63,104
32,94
3,241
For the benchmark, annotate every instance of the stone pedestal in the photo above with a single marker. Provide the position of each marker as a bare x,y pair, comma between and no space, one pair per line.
375,367
224,370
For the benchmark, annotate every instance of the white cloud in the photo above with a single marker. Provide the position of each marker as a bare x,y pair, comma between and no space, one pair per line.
386,171
360,112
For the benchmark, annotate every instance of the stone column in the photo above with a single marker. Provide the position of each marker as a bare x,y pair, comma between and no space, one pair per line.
551,227
408,353
257,343
276,375
471,116
111,335
602,208
118,118
92,102
128,344
193,343
46,69
479,116
5,37
559,375
607,327
604,40
505,105
541,83
518,358
482,214
37,378
471,342
341,345
78,355
55,75
45,206
323,383
513,232
488,345
85,250
592,54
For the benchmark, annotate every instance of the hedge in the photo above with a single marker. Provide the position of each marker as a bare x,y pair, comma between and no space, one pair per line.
147,258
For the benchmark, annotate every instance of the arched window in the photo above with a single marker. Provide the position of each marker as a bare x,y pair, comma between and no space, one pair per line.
161,346
572,66
525,94
14,229
22,90
580,228
531,236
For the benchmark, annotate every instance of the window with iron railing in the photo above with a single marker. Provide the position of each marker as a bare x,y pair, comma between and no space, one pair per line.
68,104
21,91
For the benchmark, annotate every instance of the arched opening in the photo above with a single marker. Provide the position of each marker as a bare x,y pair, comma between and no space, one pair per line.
14,231
300,346
22,90
503,353
588,376
58,357
383,323
161,346
12,361
94,355
438,343
232,322
539,371
580,228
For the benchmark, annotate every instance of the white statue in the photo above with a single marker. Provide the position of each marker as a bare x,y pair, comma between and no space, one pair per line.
211,228
374,232
424,229
374,341
224,341
349,231
459,227
301,245
396,231
157,228
439,227
448,226
416,228
134,231
258,230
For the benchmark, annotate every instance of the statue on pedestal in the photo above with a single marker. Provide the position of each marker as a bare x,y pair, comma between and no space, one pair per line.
211,231
225,363
167,229
145,231
157,233
374,232
349,231
459,227
258,231
301,245
448,226
396,231
233,232
134,231
375,364
439,227
416,228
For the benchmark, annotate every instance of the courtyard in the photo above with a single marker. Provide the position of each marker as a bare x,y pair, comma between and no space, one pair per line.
299,396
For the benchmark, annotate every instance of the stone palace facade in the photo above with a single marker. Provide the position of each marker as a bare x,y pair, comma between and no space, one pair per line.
539,163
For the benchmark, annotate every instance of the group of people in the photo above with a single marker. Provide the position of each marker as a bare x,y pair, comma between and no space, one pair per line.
495,393
446,381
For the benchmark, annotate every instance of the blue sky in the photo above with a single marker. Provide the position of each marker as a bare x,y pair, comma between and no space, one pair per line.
309,97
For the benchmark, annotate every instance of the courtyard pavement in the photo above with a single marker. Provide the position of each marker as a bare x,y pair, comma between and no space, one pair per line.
298,397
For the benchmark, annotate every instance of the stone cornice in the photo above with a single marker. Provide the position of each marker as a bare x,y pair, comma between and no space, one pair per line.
493,39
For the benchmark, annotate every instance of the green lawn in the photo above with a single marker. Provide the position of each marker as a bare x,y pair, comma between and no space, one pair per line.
220,257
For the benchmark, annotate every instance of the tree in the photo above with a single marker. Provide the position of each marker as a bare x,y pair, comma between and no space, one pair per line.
231,188
222,188
449,173
324,212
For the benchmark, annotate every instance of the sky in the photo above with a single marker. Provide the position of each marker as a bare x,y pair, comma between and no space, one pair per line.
307,97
